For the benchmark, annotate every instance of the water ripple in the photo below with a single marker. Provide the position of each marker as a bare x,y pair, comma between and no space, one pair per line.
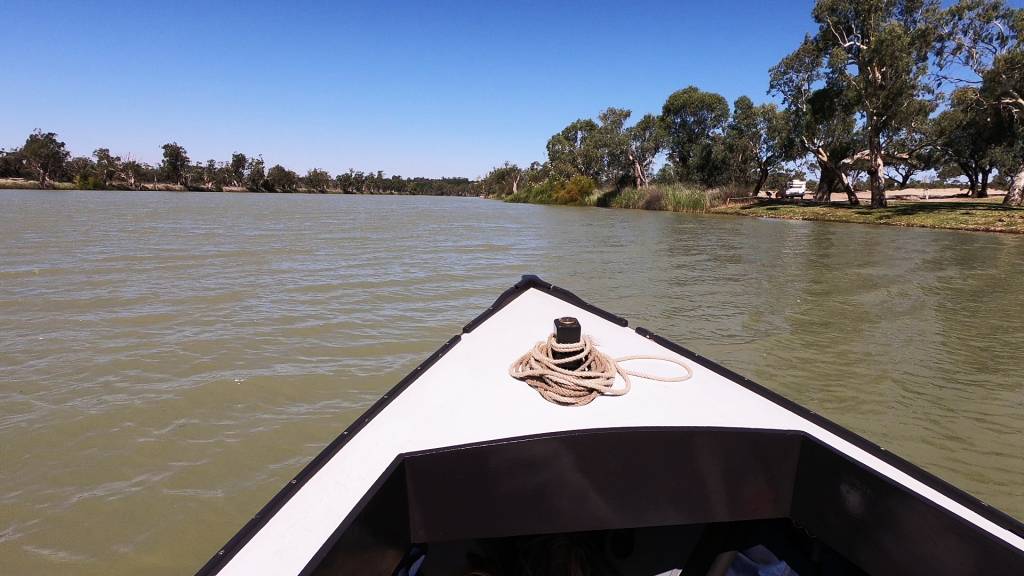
169,360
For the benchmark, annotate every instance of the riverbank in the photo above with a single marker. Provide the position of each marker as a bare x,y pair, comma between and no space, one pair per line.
25,184
942,208
976,215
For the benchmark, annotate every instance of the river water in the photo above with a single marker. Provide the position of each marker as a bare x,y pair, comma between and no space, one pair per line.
169,360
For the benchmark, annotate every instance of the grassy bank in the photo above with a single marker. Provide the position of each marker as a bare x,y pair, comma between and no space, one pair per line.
983,216
980,216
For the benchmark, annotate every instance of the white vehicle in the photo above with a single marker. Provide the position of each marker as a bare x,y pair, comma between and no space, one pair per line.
461,462
795,189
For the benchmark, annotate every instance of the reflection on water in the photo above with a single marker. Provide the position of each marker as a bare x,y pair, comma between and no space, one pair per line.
169,360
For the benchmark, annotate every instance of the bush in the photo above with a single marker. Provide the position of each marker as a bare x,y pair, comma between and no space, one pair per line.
87,182
575,191
674,198
629,198
541,193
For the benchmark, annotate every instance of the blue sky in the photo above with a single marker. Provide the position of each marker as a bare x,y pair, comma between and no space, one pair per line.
426,88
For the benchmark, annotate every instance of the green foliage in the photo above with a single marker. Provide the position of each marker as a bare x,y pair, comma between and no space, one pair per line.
107,166
174,167
45,155
236,169
757,141
646,140
255,179
11,163
46,158
968,136
501,181
980,41
82,169
280,179
601,150
670,197
694,121
573,151
633,198
576,191
317,180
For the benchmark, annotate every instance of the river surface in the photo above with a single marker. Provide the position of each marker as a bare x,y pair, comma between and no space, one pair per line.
169,360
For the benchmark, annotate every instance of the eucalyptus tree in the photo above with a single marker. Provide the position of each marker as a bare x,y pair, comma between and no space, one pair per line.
822,119
645,140
968,135
107,165
45,156
877,52
82,171
909,144
11,163
980,46
612,143
130,171
236,168
501,181
175,165
694,121
281,179
317,180
572,151
256,176
759,140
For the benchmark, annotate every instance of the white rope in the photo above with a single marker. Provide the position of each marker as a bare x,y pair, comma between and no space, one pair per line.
594,377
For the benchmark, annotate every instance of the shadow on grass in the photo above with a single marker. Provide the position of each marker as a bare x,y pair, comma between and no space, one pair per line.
894,208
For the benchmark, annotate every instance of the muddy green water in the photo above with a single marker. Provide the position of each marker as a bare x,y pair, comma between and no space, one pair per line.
169,360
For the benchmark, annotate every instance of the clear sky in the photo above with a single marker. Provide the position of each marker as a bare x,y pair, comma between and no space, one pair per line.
429,88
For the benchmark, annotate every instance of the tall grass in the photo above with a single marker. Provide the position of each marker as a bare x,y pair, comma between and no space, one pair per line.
577,191
673,198
580,191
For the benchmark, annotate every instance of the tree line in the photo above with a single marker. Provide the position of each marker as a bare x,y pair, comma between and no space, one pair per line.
45,159
884,89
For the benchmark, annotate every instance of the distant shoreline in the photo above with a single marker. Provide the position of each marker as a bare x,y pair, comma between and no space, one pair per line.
940,208
25,184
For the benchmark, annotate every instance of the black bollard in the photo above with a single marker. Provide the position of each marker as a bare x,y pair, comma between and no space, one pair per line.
567,331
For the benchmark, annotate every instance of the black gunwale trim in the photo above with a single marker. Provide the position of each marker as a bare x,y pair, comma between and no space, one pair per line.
528,281
363,502
246,533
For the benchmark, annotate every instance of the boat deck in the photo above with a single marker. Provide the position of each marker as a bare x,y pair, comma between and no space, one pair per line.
467,397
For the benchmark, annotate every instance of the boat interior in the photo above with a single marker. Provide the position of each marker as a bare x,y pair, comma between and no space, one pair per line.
650,502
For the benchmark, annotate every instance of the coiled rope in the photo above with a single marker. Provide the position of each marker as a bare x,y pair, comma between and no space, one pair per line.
594,377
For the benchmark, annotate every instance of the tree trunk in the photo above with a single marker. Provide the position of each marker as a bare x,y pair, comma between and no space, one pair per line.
905,179
983,187
972,178
639,174
832,178
761,178
823,193
876,171
1015,195
515,184
43,180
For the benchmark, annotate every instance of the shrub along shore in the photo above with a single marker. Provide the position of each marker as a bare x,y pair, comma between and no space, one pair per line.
947,211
